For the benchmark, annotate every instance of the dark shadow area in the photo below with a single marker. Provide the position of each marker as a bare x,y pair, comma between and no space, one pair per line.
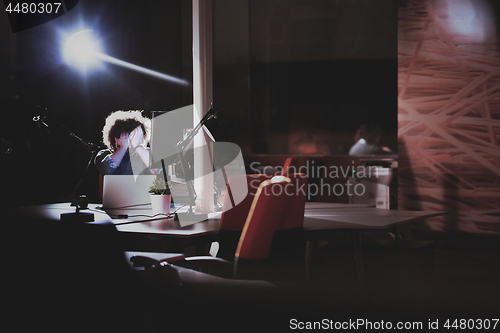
407,182
73,277
451,184
289,73
44,164
451,277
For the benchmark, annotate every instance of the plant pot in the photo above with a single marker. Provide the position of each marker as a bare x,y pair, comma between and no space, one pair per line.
161,203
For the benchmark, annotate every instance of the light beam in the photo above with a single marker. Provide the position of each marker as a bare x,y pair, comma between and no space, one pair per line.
84,51
140,69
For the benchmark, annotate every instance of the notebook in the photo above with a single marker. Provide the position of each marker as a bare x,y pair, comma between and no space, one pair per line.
126,191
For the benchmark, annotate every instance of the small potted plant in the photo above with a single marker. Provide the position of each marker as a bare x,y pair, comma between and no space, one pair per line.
160,196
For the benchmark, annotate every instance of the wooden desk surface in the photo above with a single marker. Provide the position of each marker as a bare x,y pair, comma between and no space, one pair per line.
139,220
53,212
318,216
170,227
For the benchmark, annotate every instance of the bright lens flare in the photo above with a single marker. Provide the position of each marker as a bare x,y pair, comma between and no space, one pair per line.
472,19
82,50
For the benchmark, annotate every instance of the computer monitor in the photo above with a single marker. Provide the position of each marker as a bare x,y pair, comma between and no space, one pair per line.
167,129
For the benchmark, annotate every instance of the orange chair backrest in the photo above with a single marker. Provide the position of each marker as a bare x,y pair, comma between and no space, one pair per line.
233,218
296,191
266,212
286,166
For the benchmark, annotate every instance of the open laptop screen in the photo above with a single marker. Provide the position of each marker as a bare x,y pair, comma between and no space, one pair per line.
127,191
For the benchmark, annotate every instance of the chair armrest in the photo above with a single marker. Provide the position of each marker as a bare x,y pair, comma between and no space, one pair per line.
149,259
207,258
146,262
209,265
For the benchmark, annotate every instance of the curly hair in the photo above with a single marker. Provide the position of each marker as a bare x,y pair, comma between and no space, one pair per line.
124,122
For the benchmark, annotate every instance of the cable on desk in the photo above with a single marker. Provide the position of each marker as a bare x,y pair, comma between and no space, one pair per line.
125,216
125,207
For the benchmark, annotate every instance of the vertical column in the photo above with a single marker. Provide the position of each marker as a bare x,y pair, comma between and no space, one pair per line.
202,97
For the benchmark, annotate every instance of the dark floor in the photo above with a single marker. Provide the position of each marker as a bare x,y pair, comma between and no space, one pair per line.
65,278
451,277
456,276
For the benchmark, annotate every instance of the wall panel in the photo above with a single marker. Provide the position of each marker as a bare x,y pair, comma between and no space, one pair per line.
449,113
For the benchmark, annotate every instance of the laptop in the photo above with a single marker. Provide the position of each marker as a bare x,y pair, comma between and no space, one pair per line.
126,191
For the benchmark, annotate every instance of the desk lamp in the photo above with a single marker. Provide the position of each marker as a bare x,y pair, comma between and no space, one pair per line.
181,147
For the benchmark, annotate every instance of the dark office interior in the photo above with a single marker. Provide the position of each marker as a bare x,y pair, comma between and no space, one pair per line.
291,79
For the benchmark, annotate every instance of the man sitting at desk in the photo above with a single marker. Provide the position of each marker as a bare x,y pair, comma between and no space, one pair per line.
126,134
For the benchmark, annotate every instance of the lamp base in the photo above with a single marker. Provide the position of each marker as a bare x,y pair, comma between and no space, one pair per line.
77,217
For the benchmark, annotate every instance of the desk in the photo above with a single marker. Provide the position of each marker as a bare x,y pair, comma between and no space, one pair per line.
138,224
319,219
324,216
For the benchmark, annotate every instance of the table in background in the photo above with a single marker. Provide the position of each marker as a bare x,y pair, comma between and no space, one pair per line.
322,218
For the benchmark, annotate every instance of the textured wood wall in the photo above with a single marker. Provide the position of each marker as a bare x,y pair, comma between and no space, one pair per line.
449,114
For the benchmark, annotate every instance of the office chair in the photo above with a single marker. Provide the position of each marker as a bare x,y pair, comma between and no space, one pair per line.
289,246
267,209
232,218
